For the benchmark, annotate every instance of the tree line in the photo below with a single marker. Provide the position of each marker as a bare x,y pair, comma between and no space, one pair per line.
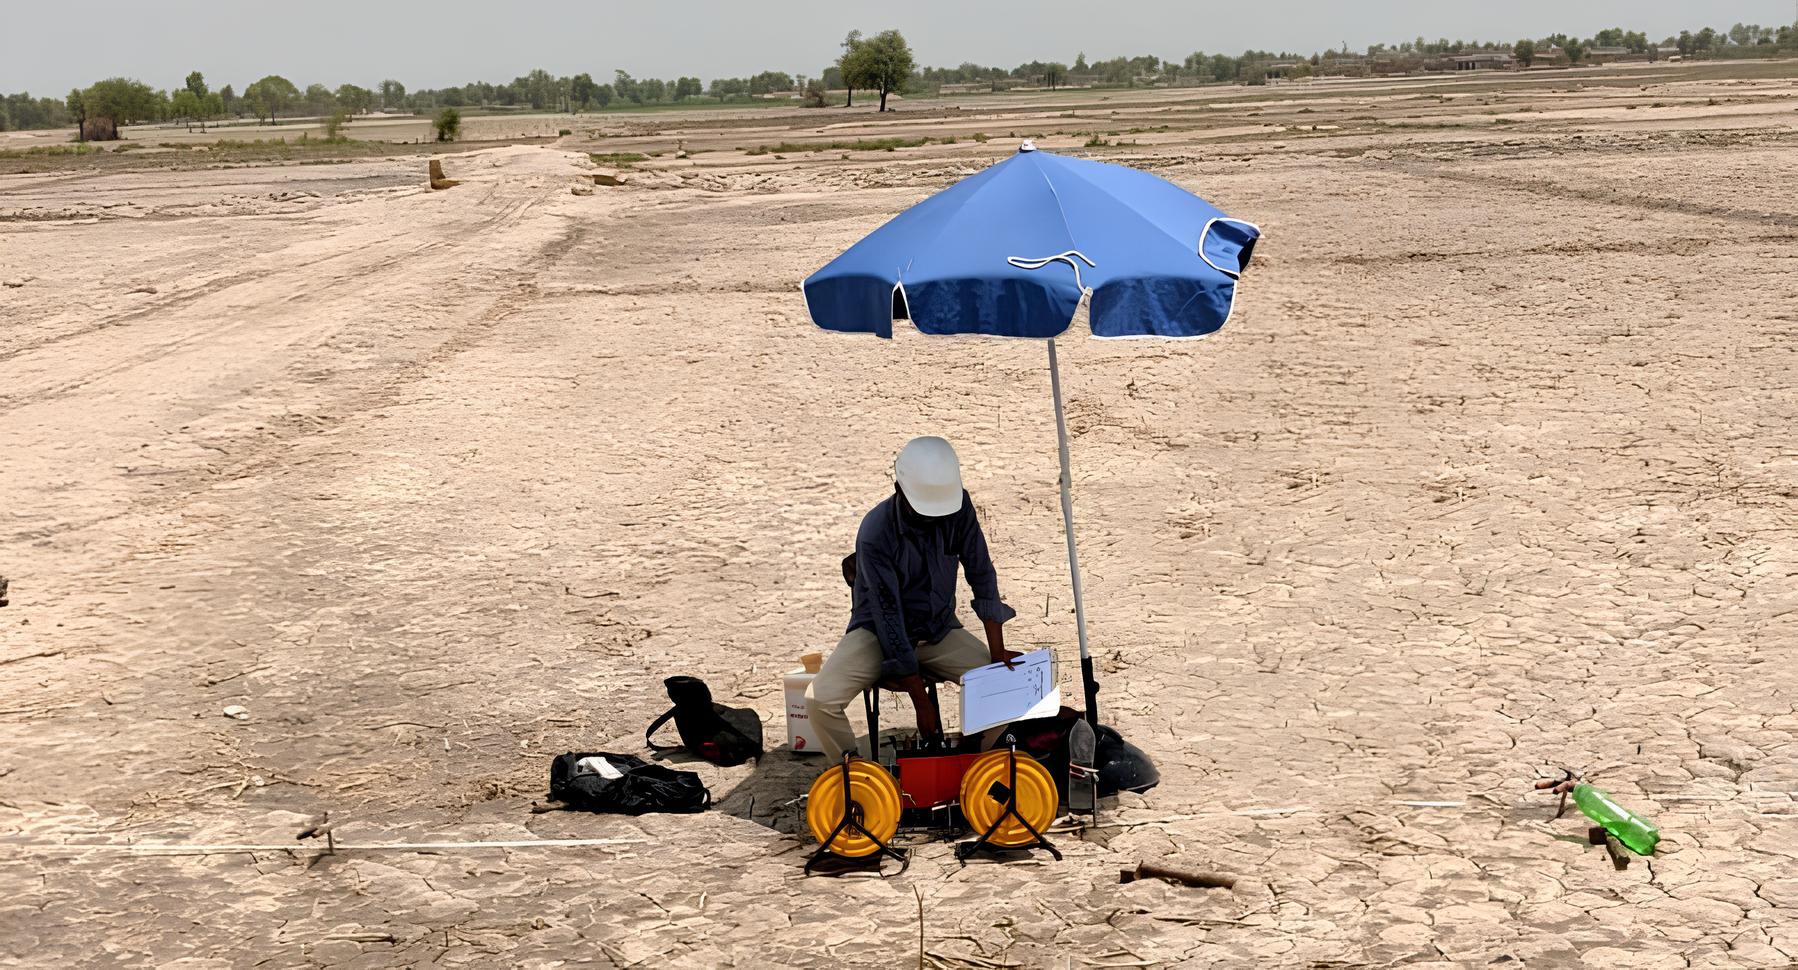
882,64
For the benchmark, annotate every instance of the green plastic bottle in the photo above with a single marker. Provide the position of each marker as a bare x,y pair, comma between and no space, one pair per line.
1634,831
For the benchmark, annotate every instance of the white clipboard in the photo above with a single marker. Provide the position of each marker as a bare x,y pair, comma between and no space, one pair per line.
993,695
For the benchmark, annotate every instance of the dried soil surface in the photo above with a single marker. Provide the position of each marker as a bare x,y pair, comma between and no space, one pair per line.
1492,472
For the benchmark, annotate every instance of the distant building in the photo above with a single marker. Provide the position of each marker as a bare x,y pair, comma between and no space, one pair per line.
1343,64
1482,61
1550,56
1395,63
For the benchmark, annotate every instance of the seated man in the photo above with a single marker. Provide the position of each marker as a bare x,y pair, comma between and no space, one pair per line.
903,621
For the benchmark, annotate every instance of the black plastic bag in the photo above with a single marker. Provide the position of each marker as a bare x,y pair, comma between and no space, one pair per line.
623,784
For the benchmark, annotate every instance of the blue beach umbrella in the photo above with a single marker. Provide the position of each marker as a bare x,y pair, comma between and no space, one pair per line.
1013,250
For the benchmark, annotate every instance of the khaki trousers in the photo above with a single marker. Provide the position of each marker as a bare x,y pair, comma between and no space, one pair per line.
854,666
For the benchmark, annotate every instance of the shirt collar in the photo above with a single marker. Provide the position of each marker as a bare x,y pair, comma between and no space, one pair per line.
906,527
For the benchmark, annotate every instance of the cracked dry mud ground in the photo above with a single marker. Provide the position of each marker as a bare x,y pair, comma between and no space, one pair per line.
1491,472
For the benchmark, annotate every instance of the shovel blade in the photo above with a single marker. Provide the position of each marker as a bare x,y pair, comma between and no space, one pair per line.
1083,776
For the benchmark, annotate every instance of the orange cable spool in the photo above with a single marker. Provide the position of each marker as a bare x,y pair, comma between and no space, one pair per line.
983,791
873,803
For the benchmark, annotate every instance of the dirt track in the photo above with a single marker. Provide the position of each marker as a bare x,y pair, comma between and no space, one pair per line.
1492,471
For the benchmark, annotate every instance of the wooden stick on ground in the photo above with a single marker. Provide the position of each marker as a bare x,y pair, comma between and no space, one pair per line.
1197,880
1619,855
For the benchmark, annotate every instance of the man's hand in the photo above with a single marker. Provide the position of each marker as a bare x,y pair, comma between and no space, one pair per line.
995,646
930,723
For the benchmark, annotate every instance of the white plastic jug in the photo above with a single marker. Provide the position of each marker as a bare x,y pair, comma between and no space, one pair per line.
800,736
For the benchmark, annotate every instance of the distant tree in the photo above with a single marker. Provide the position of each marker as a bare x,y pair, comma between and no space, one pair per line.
1525,52
850,65
186,106
393,95
1685,43
77,105
23,111
449,124
688,87
537,88
1705,40
626,87
814,93
581,91
334,123
1054,74
354,99
114,102
1742,35
227,100
887,63
319,100
270,96
724,88
768,82
196,82
1575,50
1080,63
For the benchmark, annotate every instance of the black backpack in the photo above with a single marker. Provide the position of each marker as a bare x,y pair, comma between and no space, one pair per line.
722,735
623,784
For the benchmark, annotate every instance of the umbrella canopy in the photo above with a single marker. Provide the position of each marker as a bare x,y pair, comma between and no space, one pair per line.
1013,250
1010,251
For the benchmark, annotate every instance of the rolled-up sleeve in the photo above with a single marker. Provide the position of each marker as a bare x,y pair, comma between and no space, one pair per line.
977,566
877,582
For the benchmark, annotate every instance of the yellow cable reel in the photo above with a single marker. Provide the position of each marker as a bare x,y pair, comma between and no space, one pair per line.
873,803
983,791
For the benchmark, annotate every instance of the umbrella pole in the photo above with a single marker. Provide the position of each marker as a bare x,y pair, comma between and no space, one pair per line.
1067,521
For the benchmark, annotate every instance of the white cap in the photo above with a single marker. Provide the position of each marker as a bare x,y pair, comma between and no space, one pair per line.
1027,146
930,476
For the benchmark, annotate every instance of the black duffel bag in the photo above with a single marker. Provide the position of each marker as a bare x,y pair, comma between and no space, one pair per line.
623,784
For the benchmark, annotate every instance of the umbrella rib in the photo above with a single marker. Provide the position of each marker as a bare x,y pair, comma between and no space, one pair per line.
1060,210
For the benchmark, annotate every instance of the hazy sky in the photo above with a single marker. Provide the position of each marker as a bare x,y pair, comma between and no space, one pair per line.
48,47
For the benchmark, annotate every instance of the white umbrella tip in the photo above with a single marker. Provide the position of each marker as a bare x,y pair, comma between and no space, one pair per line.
1027,146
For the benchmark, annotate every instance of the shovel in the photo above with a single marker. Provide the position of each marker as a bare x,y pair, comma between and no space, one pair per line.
1083,777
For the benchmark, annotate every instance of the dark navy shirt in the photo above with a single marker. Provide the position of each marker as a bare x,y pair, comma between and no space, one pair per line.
905,580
